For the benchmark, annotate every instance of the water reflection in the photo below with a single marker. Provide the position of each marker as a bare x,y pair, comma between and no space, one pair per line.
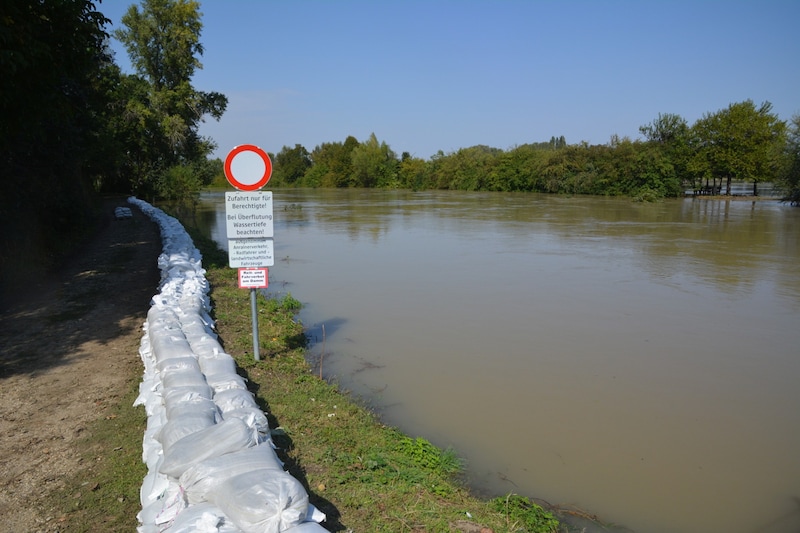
637,360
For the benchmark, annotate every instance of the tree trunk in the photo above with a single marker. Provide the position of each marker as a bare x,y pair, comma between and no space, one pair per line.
728,187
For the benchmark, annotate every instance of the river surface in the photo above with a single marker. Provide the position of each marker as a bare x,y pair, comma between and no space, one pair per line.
637,361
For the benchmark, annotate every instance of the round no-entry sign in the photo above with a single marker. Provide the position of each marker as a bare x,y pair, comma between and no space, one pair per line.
248,167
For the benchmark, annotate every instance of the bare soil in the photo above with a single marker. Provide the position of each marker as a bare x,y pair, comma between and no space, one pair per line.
67,345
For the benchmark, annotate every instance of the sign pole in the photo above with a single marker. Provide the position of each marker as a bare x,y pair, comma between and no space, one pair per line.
254,312
248,217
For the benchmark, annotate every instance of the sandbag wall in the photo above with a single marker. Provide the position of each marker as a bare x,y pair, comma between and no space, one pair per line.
210,460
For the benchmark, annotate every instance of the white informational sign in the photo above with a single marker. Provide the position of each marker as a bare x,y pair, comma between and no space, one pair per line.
253,278
248,215
250,253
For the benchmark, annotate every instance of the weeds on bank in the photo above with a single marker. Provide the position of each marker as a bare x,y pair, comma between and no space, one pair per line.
364,475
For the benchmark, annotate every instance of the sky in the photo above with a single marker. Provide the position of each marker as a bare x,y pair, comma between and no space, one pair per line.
432,75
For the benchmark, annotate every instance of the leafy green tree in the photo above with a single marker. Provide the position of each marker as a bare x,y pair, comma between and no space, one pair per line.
332,164
790,176
413,172
670,134
52,98
742,142
291,164
374,164
163,41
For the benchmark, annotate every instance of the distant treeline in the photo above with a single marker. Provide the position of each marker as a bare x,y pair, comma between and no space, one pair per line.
741,143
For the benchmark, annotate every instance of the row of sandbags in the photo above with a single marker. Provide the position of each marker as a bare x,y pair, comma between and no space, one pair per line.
211,464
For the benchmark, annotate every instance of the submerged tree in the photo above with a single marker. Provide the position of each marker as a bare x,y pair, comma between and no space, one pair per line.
742,142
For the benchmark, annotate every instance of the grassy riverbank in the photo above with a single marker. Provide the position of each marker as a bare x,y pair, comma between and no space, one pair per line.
364,475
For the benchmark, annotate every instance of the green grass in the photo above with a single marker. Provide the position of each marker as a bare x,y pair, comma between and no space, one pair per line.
366,476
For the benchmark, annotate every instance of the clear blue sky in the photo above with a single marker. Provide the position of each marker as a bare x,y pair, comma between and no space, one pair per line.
442,75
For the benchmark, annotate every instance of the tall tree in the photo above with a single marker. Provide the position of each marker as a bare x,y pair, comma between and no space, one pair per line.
742,142
374,164
163,41
791,170
51,60
291,164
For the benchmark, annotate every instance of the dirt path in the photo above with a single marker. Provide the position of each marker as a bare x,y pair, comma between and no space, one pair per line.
65,350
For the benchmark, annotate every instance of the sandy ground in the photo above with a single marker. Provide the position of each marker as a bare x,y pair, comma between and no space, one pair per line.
65,349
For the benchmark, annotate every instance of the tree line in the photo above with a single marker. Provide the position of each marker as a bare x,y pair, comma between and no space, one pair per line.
73,126
743,142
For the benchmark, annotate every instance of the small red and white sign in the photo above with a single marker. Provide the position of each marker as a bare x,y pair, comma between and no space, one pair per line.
248,167
253,278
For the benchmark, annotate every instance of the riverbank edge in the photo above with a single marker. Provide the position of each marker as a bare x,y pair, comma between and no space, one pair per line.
364,475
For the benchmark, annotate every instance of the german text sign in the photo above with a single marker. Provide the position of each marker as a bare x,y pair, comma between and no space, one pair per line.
253,278
249,253
248,215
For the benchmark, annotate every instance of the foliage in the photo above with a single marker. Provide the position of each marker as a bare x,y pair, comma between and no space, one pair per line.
742,142
524,515
291,164
162,110
374,164
790,174
52,100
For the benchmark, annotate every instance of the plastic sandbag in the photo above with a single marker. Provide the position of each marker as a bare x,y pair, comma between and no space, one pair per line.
201,477
220,382
253,417
219,439
194,404
306,527
262,501
179,394
182,378
228,400
183,426
178,363
202,518
217,364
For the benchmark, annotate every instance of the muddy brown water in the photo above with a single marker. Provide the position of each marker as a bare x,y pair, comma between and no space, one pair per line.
637,361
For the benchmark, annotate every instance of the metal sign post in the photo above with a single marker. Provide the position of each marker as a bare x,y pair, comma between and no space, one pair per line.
249,222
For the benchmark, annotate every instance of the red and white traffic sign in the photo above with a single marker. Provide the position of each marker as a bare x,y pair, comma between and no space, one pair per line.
248,167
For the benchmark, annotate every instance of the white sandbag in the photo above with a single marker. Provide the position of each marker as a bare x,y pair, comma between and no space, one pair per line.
219,439
201,477
164,509
220,363
254,418
183,426
155,484
262,501
178,363
230,399
178,394
306,527
202,518
195,404
220,382
182,378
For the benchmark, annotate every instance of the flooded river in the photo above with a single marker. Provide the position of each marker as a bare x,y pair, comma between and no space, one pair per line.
637,361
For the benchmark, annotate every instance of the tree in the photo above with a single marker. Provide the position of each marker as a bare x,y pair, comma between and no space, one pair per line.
52,57
163,42
291,164
742,142
374,164
790,177
670,133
